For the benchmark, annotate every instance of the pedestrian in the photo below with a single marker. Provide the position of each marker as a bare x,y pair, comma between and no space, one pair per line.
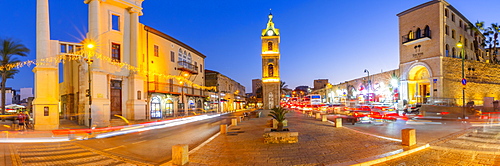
22,120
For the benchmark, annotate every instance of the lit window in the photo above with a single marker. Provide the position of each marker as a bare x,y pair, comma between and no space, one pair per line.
115,22
156,51
115,52
411,35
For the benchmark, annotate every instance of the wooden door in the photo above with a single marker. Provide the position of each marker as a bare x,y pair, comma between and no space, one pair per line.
116,98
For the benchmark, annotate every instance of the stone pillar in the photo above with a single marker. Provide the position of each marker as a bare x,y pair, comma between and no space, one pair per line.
223,129
180,154
338,122
234,122
409,137
323,118
45,104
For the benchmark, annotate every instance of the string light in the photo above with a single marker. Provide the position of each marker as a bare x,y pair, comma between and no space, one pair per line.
79,56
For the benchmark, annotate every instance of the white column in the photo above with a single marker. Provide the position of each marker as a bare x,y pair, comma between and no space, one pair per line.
135,105
46,113
94,31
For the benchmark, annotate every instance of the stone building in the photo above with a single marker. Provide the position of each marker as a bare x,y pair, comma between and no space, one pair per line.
433,66
132,70
229,95
439,53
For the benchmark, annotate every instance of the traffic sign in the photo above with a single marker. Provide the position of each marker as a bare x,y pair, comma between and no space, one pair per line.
464,81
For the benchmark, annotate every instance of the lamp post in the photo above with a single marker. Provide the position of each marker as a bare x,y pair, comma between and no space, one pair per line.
89,47
366,71
464,81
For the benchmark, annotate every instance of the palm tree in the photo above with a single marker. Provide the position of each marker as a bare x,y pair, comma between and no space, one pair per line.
494,29
478,28
8,50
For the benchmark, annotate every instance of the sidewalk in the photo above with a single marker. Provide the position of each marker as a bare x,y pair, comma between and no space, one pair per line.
320,143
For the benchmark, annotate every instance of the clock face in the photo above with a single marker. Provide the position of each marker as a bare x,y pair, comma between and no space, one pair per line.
270,32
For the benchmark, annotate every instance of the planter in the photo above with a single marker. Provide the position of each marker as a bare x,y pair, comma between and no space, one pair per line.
281,137
275,123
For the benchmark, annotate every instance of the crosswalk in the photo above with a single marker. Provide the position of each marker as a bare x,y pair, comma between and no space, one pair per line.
485,139
66,153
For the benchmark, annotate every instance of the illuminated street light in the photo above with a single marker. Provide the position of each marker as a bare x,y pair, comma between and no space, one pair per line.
464,81
366,71
89,48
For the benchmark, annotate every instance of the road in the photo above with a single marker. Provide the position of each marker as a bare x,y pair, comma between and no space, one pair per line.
150,147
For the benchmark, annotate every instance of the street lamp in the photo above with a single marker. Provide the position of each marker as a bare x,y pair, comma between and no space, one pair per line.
366,71
464,81
89,48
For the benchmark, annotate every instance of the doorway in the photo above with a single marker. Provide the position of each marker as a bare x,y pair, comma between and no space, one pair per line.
116,98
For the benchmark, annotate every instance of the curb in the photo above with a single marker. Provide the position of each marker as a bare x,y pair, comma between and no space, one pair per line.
387,158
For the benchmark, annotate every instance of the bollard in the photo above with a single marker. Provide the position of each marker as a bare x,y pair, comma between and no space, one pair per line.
234,122
180,154
240,118
408,136
318,115
338,122
223,129
323,118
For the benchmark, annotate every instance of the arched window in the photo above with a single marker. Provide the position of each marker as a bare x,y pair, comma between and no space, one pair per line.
453,52
270,46
447,53
427,31
270,70
184,56
419,34
411,35
189,57
180,56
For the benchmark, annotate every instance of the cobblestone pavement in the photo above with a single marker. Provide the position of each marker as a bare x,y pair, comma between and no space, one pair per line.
480,146
67,153
319,143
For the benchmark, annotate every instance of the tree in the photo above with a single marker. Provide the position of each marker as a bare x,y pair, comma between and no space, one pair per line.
478,29
493,31
278,113
9,49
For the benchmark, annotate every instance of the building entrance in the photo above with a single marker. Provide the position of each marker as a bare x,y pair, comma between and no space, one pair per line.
116,98
418,85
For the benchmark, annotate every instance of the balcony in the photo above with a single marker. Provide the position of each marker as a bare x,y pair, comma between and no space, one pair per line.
188,67
416,38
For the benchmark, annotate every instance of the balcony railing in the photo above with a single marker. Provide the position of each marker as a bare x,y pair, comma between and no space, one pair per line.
160,87
188,67
416,38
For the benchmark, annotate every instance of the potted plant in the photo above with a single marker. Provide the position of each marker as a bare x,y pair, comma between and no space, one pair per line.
280,135
278,114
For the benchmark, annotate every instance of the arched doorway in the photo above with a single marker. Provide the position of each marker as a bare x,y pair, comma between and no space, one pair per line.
419,87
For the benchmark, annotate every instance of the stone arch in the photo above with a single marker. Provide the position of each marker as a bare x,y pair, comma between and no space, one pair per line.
418,82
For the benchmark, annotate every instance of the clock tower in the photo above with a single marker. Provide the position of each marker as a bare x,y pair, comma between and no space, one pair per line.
270,65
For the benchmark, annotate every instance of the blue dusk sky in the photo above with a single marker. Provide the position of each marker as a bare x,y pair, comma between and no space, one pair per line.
320,39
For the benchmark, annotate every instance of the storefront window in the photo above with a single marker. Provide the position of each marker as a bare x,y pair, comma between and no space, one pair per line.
155,108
